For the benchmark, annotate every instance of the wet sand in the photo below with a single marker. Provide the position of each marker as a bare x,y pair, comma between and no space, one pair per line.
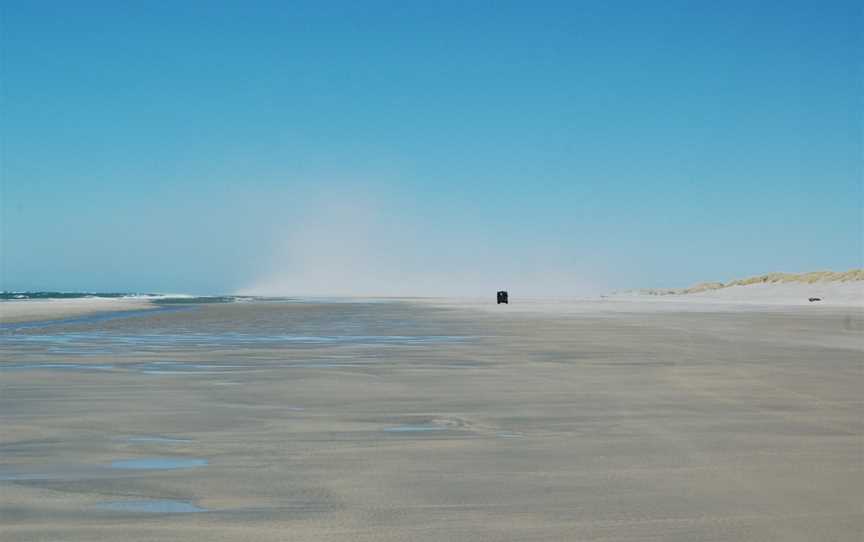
449,421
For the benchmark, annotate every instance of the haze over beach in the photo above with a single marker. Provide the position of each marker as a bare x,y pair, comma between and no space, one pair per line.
376,271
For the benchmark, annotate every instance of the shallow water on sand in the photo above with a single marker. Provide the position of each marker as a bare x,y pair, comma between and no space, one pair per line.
86,320
159,463
414,428
152,507
102,342
158,439
54,367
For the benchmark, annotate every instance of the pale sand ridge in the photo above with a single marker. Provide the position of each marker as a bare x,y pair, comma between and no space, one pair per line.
51,309
832,288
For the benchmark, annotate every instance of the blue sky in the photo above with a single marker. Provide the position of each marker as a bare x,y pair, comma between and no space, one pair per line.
427,147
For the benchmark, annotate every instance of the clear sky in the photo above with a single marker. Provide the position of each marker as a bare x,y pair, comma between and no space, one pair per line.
427,147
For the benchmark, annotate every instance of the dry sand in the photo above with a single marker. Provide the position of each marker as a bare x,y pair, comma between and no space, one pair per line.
51,309
457,421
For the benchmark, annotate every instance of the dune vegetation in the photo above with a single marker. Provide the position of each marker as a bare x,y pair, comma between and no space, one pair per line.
781,278
769,278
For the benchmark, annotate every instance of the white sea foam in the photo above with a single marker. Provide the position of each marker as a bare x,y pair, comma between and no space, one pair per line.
159,296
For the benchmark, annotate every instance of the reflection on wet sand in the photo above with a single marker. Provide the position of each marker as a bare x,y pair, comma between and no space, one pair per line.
151,507
159,463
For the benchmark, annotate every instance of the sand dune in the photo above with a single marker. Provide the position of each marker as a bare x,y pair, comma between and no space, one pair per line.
832,288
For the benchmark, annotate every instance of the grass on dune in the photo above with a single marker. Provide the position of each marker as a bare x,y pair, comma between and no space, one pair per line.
781,278
769,278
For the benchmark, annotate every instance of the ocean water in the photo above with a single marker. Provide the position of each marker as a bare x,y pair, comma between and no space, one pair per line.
70,295
168,299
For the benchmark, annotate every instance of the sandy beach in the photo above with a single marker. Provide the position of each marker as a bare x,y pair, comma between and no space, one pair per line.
828,293
250,255
435,421
53,309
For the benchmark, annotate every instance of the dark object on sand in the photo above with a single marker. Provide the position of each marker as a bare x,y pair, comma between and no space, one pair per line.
812,299
502,297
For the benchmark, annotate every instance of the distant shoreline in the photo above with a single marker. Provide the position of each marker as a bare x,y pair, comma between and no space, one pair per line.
820,287
815,277
823,288
35,310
